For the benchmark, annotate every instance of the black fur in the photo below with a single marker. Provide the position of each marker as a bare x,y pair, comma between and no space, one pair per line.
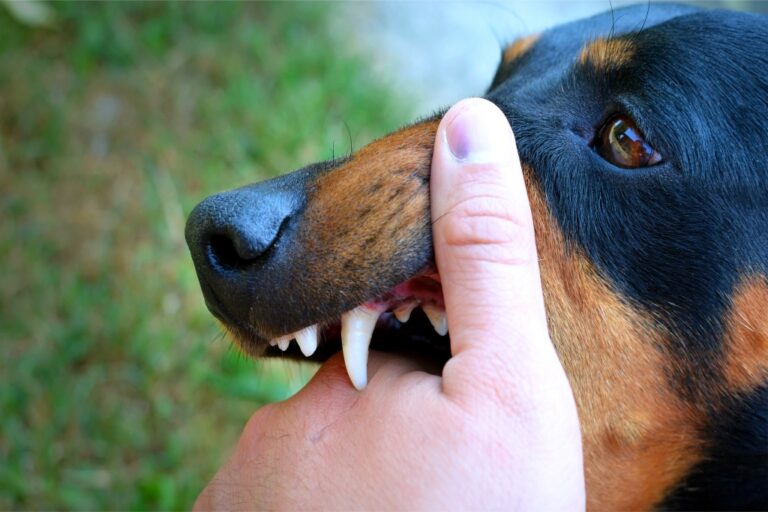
678,237
735,474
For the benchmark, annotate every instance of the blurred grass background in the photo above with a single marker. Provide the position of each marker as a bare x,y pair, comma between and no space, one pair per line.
118,390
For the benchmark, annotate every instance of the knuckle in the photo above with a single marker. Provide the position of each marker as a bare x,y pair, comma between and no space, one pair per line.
488,228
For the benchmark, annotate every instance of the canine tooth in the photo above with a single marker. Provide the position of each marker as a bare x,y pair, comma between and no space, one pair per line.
437,318
307,340
356,330
403,313
272,343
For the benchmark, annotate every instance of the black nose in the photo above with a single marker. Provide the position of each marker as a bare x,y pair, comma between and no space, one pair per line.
232,236
231,230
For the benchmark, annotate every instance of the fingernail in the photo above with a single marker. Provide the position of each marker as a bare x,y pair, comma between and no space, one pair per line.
478,134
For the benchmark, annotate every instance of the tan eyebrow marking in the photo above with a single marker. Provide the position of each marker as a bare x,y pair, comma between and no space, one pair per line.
518,48
607,53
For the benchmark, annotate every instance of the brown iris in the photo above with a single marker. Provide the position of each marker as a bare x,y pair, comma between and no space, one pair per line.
620,142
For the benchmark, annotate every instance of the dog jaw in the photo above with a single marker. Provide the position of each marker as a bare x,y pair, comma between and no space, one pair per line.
358,325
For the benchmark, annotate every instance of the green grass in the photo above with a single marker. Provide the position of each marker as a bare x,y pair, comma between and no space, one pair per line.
118,390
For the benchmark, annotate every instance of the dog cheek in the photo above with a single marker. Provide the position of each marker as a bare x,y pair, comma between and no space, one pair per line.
366,226
745,364
635,426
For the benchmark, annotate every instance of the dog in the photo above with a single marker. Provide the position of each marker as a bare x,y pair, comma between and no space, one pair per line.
644,142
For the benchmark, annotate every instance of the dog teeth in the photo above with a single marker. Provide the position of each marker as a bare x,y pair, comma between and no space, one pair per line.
307,340
437,318
283,342
403,313
356,331
357,328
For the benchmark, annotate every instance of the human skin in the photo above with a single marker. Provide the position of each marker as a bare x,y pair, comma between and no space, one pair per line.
497,429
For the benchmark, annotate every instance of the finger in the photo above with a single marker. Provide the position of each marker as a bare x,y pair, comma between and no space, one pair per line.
484,245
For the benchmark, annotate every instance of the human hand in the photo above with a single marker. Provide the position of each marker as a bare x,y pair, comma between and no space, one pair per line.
498,429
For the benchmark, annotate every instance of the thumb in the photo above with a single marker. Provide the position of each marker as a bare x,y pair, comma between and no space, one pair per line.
485,251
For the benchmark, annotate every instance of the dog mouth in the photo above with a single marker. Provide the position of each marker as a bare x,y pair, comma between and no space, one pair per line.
409,318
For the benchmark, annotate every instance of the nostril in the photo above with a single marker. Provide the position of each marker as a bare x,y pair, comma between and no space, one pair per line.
238,231
239,246
222,252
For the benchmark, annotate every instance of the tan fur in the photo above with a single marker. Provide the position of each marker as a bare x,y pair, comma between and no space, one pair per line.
364,211
746,342
518,48
603,54
639,436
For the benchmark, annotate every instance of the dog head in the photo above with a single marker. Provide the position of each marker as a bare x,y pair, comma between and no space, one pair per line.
643,140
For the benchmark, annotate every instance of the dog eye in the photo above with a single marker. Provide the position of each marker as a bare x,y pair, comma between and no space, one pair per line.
620,142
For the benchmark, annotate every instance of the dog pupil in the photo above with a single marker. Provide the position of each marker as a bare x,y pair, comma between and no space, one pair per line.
626,146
